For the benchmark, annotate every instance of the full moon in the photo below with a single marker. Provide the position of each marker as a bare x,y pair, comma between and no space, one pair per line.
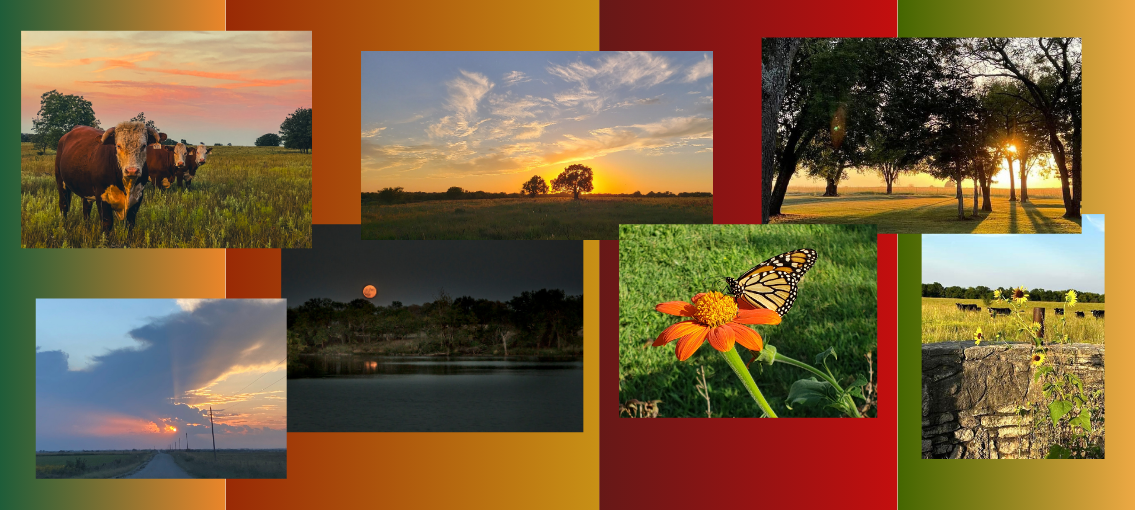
369,291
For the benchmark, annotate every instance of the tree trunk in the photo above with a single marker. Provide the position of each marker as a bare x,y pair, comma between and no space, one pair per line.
1012,184
1024,177
576,194
786,165
1076,181
774,83
889,182
830,191
986,184
975,193
958,183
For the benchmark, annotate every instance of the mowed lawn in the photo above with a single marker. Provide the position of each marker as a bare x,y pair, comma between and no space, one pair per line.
943,322
243,197
836,307
528,218
929,210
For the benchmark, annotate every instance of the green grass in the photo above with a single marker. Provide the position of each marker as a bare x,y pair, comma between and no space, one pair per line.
244,197
527,218
929,210
836,307
109,464
943,322
233,463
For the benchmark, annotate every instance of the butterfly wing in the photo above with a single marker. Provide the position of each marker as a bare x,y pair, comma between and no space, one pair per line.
772,283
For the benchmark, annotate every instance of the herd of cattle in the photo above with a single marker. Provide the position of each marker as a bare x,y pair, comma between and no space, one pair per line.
993,312
110,168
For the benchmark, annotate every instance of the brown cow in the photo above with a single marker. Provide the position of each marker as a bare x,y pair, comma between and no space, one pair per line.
185,176
162,165
107,168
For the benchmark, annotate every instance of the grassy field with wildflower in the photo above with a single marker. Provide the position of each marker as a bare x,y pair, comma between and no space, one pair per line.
528,218
243,197
836,307
943,322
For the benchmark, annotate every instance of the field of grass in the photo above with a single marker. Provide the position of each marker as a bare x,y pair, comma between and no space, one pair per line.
836,307
233,463
943,322
100,464
928,210
527,218
243,197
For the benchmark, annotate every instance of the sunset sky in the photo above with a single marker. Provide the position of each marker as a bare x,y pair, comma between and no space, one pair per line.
212,87
491,120
1042,174
122,374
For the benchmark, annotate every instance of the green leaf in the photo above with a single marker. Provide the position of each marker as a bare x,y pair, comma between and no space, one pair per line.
1058,452
808,392
830,351
1084,421
1041,371
768,355
1075,379
856,388
1057,409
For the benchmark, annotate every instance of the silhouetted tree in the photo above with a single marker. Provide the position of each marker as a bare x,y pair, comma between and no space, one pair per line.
575,179
267,140
296,130
534,186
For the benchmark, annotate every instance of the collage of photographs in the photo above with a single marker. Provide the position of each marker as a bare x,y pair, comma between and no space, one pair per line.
534,252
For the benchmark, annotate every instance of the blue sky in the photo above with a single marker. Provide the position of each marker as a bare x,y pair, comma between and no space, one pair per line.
1047,261
490,120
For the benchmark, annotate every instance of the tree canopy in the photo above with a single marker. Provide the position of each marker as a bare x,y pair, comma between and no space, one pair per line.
268,140
534,186
575,179
296,130
59,114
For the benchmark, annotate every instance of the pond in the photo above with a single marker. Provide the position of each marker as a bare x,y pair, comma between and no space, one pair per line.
360,393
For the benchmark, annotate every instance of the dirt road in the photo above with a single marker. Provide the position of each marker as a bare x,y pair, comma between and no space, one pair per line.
161,466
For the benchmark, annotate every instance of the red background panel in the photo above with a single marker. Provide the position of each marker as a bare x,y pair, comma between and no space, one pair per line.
253,274
733,31
701,462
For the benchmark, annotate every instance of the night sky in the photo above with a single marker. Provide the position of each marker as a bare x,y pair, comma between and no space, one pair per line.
340,264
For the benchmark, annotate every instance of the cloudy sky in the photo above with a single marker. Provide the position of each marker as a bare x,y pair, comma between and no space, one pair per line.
121,374
212,87
1047,261
491,120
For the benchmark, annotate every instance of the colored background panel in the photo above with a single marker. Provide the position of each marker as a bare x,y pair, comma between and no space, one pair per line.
253,274
342,31
734,34
442,470
1105,29
31,274
783,462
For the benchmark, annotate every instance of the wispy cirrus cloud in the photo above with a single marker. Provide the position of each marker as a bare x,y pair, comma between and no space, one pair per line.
700,70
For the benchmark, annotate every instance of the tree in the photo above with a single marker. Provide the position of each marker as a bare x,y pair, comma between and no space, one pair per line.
534,186
296,130
575,179
141,117
777,56
268,140
59,114
454,192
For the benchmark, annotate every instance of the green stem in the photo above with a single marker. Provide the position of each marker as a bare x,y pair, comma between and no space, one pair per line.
738,367
848,402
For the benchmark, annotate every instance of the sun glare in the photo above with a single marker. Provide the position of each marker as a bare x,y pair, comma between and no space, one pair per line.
1012,148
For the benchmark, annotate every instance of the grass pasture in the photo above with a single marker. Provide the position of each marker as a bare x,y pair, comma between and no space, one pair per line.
233,463
943,322
97,464
836,307
526,218
928,210
243,197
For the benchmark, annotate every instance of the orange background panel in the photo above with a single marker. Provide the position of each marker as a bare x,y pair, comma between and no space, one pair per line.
253,273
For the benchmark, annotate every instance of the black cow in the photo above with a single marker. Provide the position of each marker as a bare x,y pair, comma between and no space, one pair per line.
1059,311
106,168
1097,314
993,312
967,307
1079,314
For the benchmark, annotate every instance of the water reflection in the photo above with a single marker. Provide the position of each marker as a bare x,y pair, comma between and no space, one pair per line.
315,365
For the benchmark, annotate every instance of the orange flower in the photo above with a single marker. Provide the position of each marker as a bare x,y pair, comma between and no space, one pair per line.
716,318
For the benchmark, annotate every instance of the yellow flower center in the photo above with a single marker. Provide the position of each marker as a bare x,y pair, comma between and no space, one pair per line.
714,309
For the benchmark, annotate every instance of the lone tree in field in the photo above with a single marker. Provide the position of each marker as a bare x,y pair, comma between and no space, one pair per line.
296,130
576,179
268,140
58,114
455,192
534,186
141,117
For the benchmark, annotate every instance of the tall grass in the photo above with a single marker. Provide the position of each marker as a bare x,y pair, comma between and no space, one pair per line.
943,322
527,218
244,197
233,463
102,464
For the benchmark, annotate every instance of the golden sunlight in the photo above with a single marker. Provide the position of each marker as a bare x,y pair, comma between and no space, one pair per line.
1012,148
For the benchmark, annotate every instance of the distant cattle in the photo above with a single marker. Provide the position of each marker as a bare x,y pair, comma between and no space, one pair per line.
967,307
1079,314
106,168
163,165
202,154
1059,311
993,312
1097,314
192,161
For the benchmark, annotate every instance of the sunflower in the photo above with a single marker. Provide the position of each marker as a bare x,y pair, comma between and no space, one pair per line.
1071,298
716,318
1020,296
978,337
1038,358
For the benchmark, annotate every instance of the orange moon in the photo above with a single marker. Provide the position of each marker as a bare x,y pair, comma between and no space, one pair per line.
369,291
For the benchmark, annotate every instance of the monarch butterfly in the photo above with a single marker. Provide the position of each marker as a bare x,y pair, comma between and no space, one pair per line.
772,283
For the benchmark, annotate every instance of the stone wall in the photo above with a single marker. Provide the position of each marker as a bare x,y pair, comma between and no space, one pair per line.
971,396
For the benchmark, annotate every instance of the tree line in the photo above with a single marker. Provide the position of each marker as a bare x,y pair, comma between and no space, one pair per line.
951,108
397,195
937,290
538,320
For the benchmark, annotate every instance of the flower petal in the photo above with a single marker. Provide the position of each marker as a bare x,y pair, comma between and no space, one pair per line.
721,338
676,331
689,344
748,338
757,316
679,308
697,297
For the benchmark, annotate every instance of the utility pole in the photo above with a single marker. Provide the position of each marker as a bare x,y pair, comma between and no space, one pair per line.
211,433
186,441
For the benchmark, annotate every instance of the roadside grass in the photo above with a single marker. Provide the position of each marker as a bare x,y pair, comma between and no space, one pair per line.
89,464
527,218
246,464
925,210
836,307
243,197
943,322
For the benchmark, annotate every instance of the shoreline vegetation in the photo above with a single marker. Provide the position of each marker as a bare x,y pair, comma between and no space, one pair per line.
546,323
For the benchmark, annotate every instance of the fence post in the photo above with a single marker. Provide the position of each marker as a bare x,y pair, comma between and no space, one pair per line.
1038,317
